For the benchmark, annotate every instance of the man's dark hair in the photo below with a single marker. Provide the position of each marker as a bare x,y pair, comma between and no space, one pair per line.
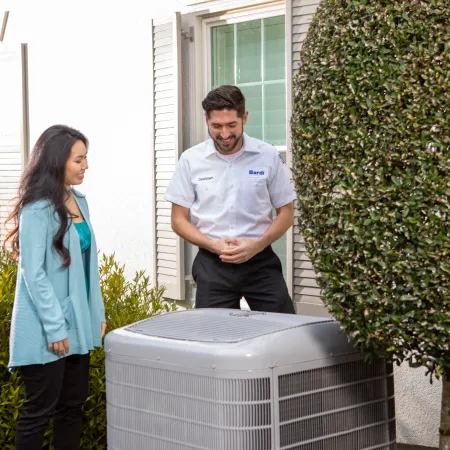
224,97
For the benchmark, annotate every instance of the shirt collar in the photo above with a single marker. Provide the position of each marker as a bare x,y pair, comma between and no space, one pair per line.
249,146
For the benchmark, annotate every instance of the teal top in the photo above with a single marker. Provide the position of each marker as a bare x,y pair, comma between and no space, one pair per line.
85,242
85,235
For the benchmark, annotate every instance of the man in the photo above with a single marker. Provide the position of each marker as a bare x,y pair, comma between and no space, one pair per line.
229,184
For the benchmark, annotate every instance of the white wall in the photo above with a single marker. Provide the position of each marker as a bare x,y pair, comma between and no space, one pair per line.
90,68
418,407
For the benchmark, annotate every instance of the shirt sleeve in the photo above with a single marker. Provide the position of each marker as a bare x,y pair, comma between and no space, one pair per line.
180,190
281,186
33,226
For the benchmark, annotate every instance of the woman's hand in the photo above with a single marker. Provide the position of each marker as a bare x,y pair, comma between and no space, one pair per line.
60,347
103,329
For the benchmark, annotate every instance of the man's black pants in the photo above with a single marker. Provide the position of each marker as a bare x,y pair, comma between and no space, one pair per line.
260,280
55,390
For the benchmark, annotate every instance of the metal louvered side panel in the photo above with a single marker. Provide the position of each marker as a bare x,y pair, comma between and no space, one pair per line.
306,293
158,409
169,249
346,406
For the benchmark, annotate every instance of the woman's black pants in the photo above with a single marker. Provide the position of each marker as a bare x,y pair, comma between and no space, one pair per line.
55,390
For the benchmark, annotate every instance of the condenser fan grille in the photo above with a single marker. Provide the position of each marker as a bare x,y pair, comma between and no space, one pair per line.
368,439
346,406
161,409
312,380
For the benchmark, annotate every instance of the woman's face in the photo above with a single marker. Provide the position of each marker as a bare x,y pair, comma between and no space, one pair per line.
76,164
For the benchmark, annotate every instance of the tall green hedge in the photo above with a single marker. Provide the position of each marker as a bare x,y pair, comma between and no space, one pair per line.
126,302
371,144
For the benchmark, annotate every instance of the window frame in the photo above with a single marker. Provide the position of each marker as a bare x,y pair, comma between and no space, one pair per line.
231,19
234,17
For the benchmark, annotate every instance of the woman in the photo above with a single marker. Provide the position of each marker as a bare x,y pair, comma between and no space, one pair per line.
58,314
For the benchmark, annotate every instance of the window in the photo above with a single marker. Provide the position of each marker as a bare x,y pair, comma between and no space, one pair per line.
251,55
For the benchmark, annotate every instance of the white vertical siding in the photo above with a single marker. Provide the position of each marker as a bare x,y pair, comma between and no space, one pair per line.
13,126
167,95
306,292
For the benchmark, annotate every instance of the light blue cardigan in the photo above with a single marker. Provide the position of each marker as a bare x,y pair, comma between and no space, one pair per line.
51,301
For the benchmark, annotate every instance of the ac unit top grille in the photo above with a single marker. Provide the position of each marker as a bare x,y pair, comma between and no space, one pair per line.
219,326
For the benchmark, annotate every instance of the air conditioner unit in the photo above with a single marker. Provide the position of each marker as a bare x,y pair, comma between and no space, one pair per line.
217,379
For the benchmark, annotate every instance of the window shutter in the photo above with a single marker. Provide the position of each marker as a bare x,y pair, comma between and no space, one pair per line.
306,292
168,263
14,126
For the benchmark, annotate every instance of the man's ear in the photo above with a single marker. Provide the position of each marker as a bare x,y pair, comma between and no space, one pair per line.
206,118
244,118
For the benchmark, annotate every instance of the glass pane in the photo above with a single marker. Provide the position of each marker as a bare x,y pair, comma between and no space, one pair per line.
222,53
253,104
274,48
280,246
275,113
248,51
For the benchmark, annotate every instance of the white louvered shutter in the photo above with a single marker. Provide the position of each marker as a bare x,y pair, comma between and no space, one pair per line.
167,95
306,292
13,126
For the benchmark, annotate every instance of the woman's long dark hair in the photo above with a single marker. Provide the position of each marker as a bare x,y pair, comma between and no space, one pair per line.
44,178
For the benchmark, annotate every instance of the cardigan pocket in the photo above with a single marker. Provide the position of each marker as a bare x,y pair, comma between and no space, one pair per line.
69,315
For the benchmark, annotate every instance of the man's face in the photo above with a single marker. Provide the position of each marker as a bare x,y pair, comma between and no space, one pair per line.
226,130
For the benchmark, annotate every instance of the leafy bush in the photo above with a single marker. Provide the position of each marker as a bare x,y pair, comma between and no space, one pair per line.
125,302
371,141
11,392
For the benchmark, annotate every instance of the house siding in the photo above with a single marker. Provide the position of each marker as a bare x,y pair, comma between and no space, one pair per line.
306,292
167,95
13,136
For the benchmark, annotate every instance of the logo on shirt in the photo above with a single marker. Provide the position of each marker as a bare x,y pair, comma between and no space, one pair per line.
208,178
258,173
282,160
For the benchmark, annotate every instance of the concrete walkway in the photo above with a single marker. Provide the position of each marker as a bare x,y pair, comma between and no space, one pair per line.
413,447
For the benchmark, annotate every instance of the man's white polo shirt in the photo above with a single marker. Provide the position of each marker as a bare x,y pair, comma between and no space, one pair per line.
231,197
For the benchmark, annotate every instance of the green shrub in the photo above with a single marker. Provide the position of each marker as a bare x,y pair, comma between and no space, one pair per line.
371,142
11,392
125,302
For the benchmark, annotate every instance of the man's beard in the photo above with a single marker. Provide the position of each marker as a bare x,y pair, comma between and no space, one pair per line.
218,143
